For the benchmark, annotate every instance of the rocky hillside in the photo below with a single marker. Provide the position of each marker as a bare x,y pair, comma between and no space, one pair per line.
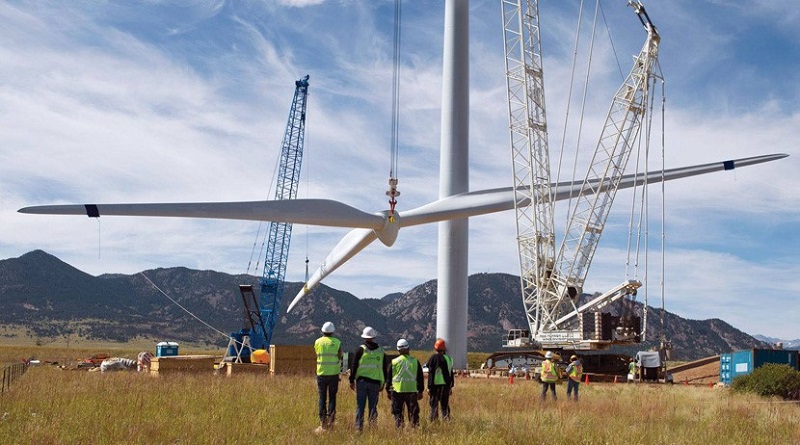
50,299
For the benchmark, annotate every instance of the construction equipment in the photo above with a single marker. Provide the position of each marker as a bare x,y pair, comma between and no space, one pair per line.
552,279
260,312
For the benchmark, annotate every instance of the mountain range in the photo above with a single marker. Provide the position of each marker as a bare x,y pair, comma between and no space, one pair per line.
46,299
787,344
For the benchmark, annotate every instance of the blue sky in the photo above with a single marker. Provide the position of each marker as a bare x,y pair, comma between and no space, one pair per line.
163,101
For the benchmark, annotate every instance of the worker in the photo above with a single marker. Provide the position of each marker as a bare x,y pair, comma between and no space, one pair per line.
631,371
551,373
408,384
368,375
329,367
440,380
574,374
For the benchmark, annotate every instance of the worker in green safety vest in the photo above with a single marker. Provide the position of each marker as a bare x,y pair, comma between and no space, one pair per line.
551,373
574,372
631,371
329,367
440,380
368,375
407,386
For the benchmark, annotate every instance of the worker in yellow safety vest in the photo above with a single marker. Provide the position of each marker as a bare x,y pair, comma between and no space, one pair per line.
440,380
631,371
407,386
551,373
574,372
369,373
329,367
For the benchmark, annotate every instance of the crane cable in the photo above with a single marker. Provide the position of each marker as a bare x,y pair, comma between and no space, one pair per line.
392,192
261,225
569,93
663,208
206,324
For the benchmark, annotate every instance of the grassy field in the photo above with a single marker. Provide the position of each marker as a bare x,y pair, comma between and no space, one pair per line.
49,405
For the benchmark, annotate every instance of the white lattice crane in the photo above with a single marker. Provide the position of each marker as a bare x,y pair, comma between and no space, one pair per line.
552,279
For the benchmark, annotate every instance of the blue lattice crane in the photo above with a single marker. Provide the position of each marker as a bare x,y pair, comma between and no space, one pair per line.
260,312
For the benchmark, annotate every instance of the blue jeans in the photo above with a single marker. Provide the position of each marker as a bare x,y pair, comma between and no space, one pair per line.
366,391
327,386
572,385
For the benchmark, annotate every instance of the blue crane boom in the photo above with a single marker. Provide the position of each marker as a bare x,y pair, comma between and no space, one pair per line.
260,313
280,233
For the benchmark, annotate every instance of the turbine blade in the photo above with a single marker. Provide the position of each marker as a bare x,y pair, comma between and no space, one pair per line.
352,243
482,202
320,212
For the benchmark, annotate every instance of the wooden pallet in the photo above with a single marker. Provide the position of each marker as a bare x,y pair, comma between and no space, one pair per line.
230,369
182,363
285,359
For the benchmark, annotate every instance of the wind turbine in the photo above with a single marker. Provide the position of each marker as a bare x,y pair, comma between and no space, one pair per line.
453,208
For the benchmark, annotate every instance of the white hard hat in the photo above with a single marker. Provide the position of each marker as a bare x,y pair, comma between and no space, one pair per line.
548,354
369,333
402,344
328,328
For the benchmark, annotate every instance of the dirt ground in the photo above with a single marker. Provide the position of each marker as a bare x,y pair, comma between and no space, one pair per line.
700,374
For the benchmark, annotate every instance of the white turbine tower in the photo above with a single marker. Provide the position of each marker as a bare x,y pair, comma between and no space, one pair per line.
452,270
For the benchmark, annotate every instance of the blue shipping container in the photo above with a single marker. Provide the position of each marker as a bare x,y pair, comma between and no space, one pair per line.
745,361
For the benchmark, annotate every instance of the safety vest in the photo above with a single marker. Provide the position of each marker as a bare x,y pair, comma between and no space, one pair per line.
631,368
549,371
327,349
371,364
404,374
438,378
576,372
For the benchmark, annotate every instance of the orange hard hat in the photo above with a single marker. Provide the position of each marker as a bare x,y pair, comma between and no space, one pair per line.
439,345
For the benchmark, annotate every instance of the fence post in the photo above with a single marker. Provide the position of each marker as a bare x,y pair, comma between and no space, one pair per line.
10,374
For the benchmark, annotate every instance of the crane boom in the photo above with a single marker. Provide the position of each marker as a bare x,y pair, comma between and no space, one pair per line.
260,313
280,233
529,148
552,283
593,203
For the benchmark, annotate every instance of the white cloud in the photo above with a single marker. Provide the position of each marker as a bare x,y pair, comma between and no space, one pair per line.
300,3
189,102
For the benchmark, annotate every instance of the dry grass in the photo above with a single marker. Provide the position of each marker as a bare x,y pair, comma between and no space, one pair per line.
52,406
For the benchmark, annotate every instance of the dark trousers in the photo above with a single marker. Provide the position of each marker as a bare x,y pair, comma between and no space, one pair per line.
367,391
551,386
327,386
572,386
439,395
401,400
